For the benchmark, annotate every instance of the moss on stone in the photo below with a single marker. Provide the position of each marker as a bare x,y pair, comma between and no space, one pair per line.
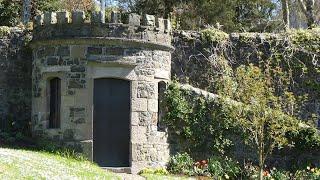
214,35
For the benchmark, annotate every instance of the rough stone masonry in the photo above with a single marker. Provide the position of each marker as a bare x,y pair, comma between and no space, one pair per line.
67,46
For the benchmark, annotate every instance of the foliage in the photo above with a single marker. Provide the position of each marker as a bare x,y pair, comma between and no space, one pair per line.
72,5
181,164
213,35
305,139
257,113
4,31
216,166
10,12
224,168
234,15
311,173
158,171
46,5
200,125
165,177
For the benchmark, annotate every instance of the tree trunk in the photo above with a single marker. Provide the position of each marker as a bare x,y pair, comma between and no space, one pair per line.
103,9
285,13
26,13
307,7
310,13
261,161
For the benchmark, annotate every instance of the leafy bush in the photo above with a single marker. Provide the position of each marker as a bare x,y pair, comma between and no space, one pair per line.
309,173
216,166
201,126
305,139
223,167
181,164
9,13
4,31
212,35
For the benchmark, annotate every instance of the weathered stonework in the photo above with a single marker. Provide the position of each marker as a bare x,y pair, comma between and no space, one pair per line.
82,51
15,78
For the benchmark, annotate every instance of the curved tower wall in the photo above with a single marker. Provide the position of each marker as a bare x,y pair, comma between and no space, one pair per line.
78,50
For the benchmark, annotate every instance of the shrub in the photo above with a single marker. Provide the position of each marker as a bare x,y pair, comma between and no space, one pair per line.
309,173
223,167
181,164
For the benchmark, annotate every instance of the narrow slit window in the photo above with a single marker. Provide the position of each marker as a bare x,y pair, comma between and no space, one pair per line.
55,103
161,90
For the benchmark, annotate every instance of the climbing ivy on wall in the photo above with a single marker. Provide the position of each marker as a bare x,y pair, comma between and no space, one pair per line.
290,60
274,78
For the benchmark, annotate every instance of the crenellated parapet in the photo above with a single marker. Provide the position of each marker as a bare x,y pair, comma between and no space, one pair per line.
73,25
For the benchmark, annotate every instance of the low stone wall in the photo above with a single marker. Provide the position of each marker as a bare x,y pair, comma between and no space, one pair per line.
191,61
15,78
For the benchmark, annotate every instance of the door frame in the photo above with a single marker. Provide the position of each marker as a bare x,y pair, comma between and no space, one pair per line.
96,71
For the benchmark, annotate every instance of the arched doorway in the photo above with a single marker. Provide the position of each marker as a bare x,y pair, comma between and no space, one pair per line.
111,122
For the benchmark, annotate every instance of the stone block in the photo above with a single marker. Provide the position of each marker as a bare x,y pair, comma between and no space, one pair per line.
131,52
78,68
63,17
50,18
139,104
138,134
78,17
145,118
134,19
63,51
47,51
115,17
97,17
146,90
68,135
78,51
76,83
94,51
149,20
152,105
160,23
114,51
167,25
39,20
53,61
135,118
87,148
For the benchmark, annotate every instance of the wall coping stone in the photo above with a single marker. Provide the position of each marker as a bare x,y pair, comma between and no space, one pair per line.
103,41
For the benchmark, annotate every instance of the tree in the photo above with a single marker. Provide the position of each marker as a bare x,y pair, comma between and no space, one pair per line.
10,12
285,12
234,15
259,113
26,15
307,7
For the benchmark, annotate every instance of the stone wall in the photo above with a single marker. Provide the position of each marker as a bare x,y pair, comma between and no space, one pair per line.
15,78
191,61
77,52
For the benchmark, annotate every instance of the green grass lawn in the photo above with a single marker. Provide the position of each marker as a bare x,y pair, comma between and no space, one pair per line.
22,164
165,177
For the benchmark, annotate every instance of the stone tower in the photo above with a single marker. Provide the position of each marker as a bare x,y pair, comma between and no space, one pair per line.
96,85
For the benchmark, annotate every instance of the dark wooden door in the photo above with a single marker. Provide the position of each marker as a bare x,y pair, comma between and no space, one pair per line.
111,122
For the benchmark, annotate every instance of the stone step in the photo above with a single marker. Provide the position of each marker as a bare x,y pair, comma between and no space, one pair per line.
118,169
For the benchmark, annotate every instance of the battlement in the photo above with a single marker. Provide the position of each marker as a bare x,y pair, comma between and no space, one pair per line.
67,25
